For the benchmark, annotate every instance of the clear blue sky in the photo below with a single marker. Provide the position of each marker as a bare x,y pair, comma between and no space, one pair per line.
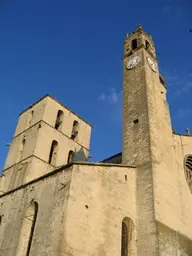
72,50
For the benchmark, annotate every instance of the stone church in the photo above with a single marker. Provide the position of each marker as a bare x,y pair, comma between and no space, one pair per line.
55,202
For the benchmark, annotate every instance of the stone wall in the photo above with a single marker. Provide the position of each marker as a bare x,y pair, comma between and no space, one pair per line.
173,197
39,134
51,197
69,117
172,243
100,198
81,209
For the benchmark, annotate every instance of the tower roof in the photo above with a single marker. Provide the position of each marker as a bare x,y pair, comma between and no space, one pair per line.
48,95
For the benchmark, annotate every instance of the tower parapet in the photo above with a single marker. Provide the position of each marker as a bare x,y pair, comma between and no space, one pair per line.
136,40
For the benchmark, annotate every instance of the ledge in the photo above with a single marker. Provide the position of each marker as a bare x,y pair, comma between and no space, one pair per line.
23,160
103,164
47,95
61,168
42,121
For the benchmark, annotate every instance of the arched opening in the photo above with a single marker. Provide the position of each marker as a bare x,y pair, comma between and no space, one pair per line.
30,117
53,152
22,145
127,238
59,120
70,157
134,44
124,240
188,171
75,130
27,230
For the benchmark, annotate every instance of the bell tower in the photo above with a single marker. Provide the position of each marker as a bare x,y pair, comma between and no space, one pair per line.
147,132
145,109
48,135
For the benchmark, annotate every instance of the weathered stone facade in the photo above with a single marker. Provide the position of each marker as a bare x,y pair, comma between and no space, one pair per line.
54,202
163,196
38,136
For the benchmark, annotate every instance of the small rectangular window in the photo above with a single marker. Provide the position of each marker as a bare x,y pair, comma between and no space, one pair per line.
136,121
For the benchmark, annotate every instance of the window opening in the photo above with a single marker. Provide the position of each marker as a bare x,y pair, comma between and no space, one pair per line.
27,230
70,157
53,152
75,130
127,237
134,44
34,218
59,119
124,240
136,121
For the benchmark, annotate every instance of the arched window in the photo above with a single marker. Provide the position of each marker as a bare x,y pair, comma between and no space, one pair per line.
124,240
21,149
75,130
30,117
27,230
53,152
59,120
70,156
127,237
134,44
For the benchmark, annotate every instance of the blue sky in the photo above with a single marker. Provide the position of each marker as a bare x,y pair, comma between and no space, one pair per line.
72,50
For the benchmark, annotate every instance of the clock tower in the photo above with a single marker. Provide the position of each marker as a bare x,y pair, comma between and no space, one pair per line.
144,97
146,124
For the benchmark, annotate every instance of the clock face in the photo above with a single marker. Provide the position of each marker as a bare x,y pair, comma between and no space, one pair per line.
133,62
152,64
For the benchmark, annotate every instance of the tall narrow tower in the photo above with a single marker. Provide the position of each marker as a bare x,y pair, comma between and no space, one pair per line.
145,109
147,132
